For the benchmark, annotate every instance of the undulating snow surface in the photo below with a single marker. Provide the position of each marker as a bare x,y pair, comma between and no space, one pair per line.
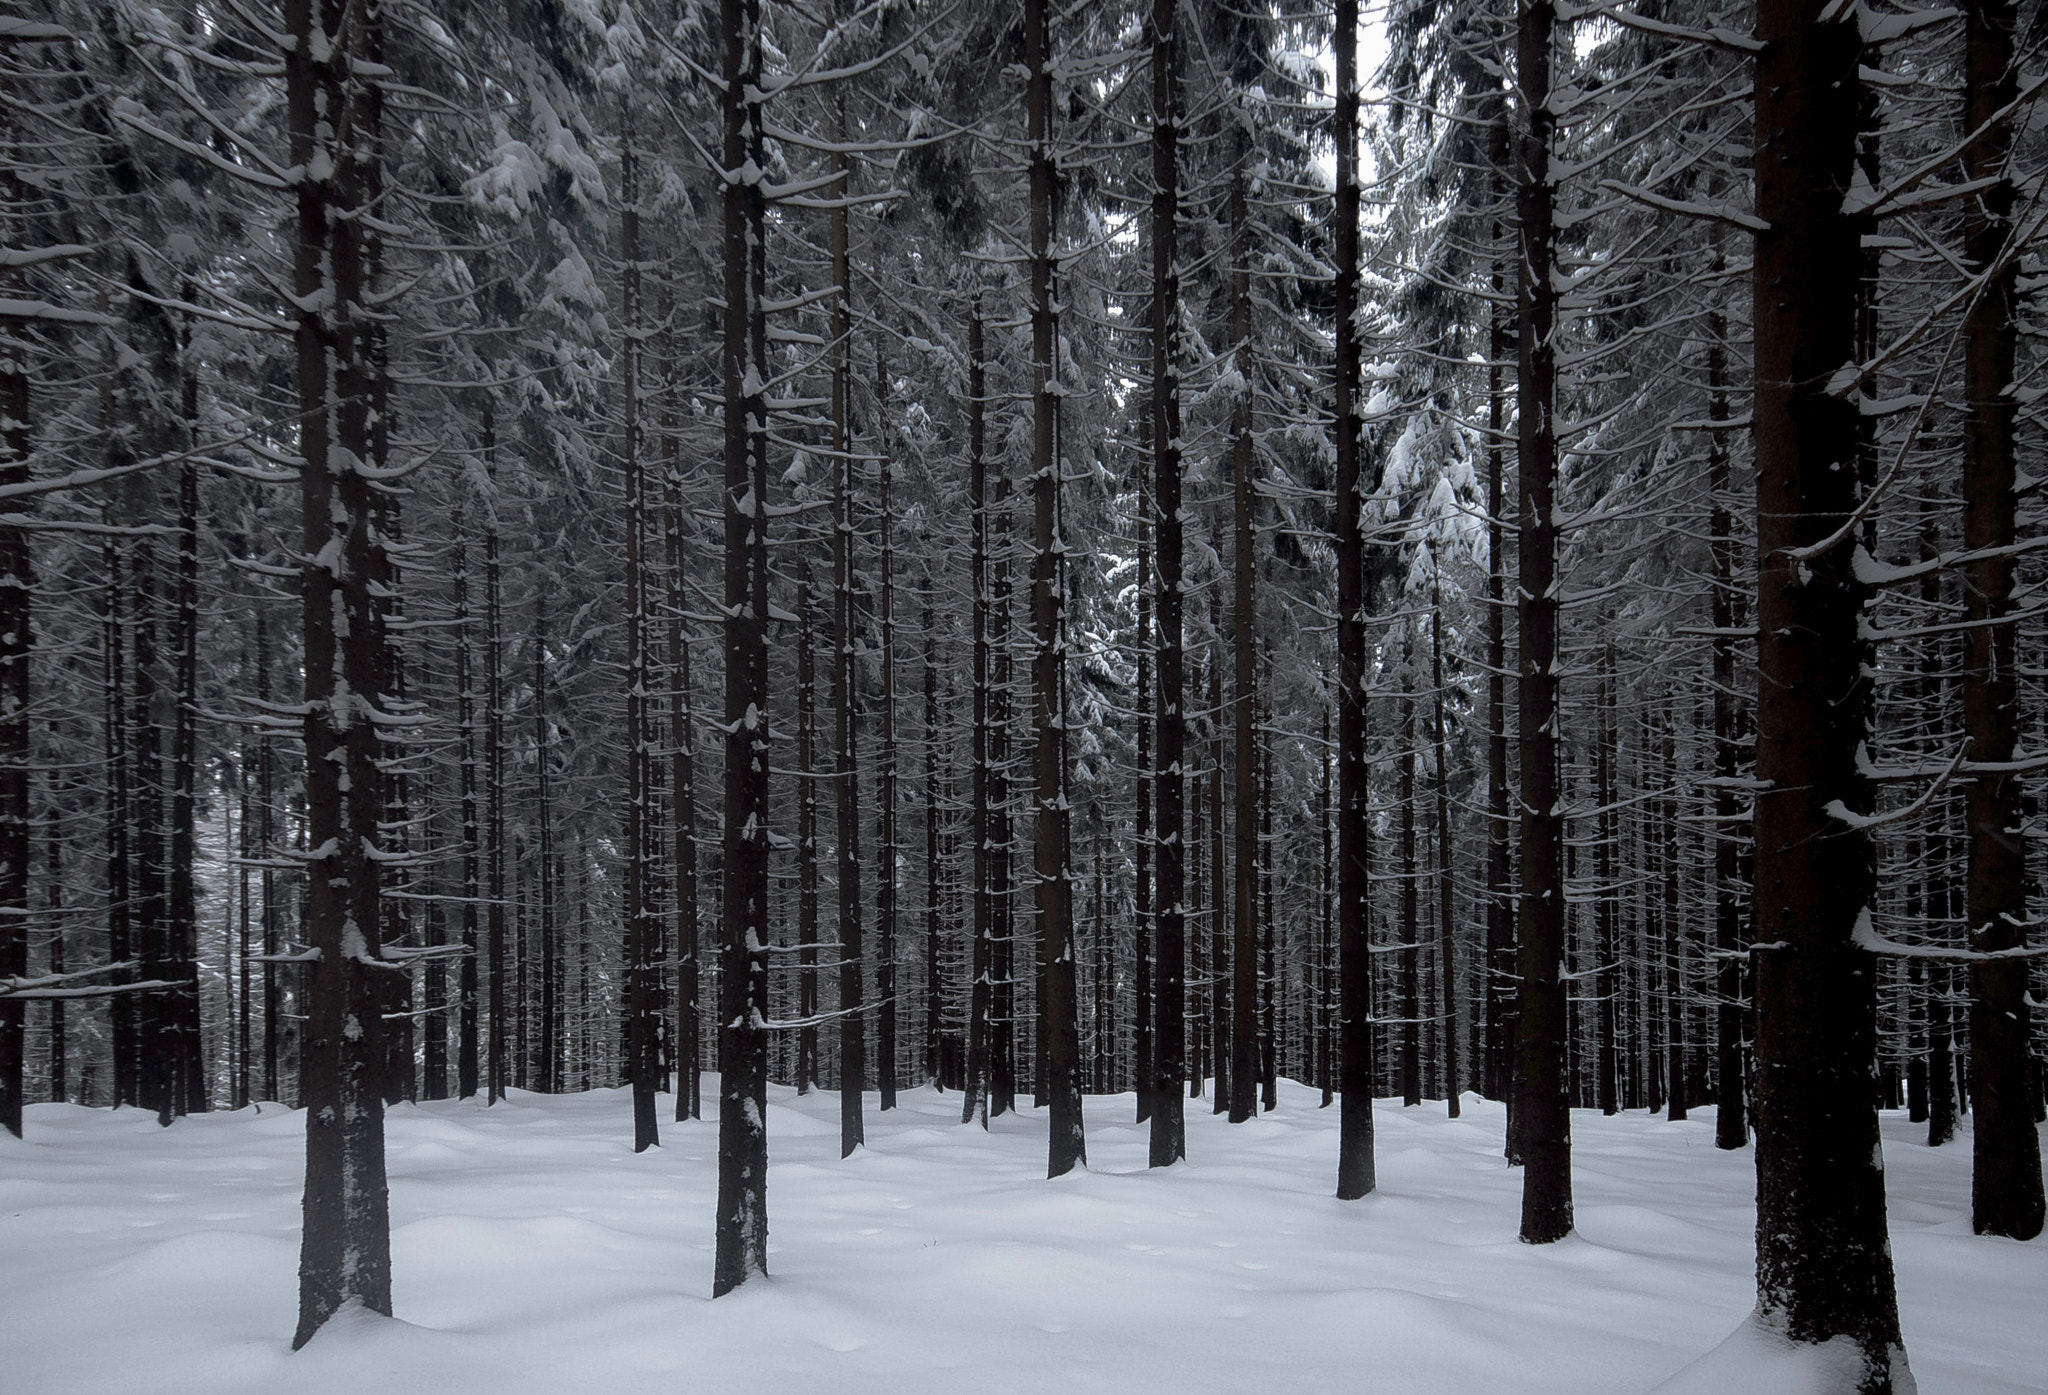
535,1253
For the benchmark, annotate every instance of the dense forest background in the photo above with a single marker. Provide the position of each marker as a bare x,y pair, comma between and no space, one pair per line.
1043,551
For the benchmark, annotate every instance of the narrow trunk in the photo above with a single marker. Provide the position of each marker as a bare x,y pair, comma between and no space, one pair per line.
1244,1026
682,778
643,936
2005,1177
886,853
1355,1164
1447,944
1731,1093
742,1218
853,1040
806,833
974,1105
1144,927
1168,1136
1053,882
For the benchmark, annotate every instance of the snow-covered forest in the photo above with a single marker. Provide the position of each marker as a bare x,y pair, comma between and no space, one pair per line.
655,600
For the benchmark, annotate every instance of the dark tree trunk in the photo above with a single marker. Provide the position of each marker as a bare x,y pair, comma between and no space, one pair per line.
1221,984
974,1106
1824,1269
934,980
742,1221
1501,994
466,1054
1355,1164
682,777
345,1253
886,851
853,1038
1412,938
1542,1116
1052,857
806,833
1168,1134
1608,948
494,786
1676,1075
1729,613
17,643
1144,929
643,934
1244,1027
1447,942
2005,1177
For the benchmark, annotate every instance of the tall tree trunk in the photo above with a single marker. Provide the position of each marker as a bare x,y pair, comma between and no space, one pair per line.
887,852
1501,996
1244,1027
1674,926
1447,943
643,934
1412,937
266,839
853,1040
1731,1082
1221,985
1168,1134
155,1044
1608,949
17,644
186,1082
1053,898
1324,1019
682,772
546,1056
331,114
1144,928
1824,1268
2005,1177
466,1054
806,833
1542,1118
1356,1172
974,1105
742,1221
494,782
934,793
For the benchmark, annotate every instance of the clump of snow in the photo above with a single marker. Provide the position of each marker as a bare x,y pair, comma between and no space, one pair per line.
535,1254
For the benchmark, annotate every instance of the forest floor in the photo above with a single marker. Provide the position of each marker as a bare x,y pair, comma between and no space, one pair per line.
535,1254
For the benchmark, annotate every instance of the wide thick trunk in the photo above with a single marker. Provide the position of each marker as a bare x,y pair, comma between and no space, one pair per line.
345,1251
1824,1270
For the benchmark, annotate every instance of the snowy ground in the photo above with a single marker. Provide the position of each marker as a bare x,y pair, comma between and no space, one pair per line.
535,1253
